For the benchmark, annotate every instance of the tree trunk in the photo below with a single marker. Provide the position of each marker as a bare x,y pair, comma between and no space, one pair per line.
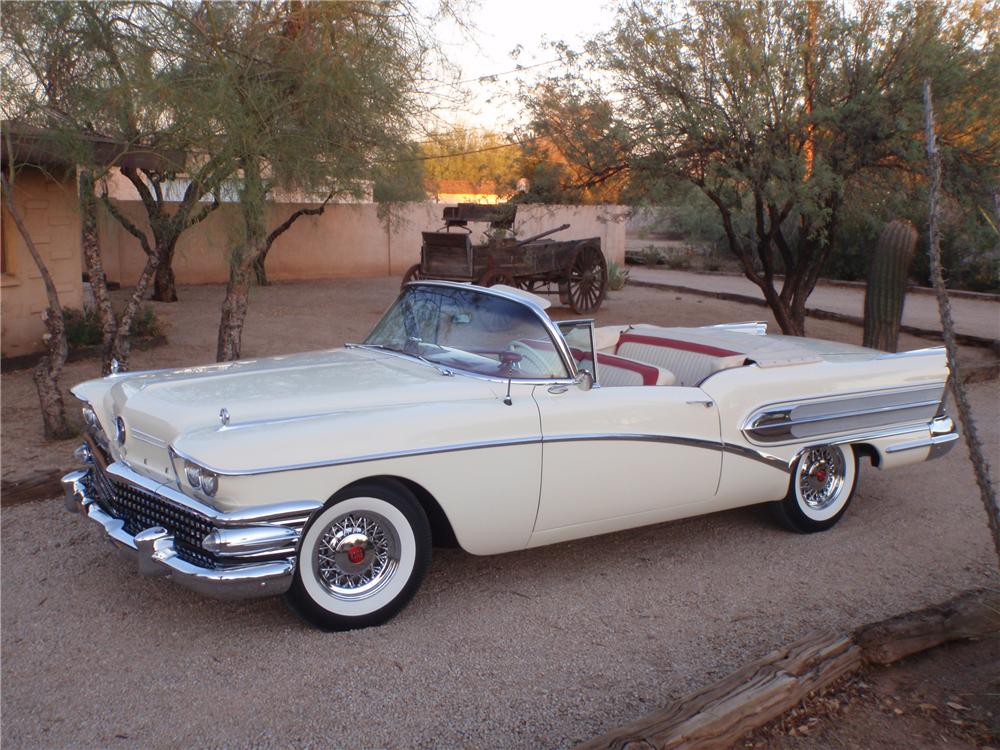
234,312
95,268
259,272
165,283
49,368
47,374
980,466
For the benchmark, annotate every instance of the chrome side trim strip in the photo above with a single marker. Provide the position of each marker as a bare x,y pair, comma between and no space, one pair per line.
366,458
774,423
841,415
551,439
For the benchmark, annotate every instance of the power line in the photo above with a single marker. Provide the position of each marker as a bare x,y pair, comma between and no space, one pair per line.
468,153
508,72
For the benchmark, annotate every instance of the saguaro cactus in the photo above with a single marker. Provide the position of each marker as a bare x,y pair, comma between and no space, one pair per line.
887,277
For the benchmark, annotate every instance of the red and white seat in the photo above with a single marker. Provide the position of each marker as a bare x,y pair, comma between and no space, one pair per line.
690,361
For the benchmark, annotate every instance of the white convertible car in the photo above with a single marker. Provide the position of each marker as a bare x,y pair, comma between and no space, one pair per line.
469,417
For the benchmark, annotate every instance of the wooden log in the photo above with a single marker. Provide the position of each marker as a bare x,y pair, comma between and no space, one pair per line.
719,715
975,614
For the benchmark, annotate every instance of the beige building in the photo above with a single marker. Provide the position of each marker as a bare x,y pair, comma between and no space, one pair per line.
347,240
46,201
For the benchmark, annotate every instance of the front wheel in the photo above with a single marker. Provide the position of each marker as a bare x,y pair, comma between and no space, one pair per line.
362,558
823,482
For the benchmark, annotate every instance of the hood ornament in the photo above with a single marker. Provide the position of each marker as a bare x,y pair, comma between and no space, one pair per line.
224,416
115,366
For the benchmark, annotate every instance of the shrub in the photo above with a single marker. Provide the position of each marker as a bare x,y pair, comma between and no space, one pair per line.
617,277
83,327
651,255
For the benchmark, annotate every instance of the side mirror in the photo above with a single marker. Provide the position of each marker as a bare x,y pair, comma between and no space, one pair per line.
584,380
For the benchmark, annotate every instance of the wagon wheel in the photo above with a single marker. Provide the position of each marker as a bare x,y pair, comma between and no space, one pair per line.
496,276
587,279
413,273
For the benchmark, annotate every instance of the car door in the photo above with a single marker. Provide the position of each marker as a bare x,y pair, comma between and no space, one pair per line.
623,456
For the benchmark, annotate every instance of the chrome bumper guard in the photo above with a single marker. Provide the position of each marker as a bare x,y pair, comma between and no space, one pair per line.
942,437
248,533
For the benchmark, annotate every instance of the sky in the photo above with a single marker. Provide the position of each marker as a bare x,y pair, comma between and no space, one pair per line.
503,25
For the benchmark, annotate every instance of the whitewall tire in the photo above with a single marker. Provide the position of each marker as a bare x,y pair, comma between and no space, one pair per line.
823,483
361,558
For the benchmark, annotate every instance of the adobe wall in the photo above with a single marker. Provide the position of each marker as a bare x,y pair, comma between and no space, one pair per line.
48,207
347,240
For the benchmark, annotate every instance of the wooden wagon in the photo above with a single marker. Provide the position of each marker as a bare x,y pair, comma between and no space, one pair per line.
576,270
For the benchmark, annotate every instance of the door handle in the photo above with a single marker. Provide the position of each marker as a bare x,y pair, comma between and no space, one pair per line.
708,404
558,388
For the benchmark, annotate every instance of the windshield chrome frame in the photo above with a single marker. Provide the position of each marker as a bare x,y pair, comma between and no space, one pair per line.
557,338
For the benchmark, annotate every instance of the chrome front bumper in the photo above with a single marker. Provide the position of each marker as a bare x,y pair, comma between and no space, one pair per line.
239,537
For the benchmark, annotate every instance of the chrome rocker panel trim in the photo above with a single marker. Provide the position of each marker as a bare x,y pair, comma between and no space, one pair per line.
155,554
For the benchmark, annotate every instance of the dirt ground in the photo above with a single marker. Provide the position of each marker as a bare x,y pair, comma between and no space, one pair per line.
296,317
542,648
945,699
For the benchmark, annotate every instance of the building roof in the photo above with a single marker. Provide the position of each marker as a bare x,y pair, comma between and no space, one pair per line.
29,145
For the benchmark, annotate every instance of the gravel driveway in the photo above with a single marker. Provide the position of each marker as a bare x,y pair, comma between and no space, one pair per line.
539,648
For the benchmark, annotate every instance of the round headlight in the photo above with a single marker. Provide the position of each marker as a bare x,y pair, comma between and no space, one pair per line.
192,472
90,416
209,482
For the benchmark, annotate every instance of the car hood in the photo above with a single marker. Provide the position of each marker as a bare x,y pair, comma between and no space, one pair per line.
164,404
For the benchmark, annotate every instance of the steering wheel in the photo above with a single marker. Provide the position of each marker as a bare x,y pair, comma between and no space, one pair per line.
536,360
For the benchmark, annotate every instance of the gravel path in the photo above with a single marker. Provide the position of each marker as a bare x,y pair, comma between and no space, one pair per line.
539,648
976,317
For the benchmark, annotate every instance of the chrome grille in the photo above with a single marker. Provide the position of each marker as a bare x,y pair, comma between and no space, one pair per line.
142,510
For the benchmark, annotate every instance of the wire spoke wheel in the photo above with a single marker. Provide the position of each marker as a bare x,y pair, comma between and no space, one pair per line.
413,273
820,477
587,279
357,554
822,484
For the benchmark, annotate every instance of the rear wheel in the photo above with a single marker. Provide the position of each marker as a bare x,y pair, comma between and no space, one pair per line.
493,278
823,483
413,273
587,279
362,558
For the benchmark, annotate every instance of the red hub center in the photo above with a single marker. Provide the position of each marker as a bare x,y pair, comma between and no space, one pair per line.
356,554
820,475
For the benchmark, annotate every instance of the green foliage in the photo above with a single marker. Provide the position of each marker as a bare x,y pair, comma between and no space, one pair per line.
617,277
782,115
652,256
83,327
480,157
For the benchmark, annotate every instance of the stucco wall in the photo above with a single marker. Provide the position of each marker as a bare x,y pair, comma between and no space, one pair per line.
347,240
48,207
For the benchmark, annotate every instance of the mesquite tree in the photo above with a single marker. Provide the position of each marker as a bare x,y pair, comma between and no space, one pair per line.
310,98
113,70
48,371
774,110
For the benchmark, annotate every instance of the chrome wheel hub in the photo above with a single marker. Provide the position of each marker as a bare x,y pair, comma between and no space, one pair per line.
821,477
356,555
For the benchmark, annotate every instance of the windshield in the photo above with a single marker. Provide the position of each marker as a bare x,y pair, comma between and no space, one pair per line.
468,329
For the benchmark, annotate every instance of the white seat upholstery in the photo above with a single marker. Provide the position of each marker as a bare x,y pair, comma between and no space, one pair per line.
690,362
620,371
